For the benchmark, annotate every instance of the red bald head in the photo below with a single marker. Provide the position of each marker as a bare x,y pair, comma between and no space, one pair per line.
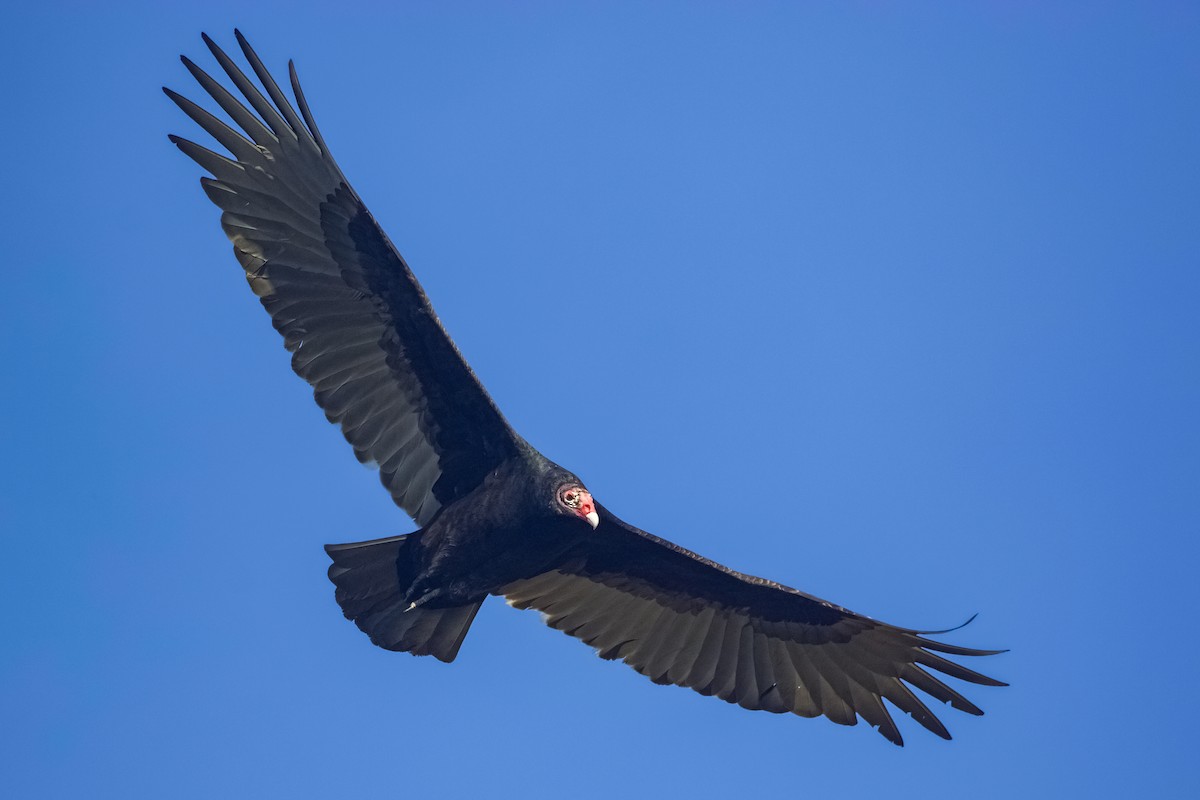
580,503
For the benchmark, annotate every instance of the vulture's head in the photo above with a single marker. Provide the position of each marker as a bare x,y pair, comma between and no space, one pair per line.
573,500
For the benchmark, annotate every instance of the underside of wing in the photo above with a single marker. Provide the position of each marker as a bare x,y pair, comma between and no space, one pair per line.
357,323
681,619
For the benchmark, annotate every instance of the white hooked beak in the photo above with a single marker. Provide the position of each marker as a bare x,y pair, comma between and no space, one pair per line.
593,518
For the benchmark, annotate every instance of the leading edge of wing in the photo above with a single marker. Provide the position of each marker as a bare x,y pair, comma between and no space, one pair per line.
754,587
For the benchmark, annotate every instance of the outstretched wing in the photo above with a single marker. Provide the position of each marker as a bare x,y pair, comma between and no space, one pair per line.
358,324
679,618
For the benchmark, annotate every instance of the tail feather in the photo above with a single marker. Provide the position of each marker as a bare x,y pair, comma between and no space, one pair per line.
372,579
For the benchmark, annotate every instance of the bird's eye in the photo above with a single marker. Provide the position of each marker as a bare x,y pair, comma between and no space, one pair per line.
571,498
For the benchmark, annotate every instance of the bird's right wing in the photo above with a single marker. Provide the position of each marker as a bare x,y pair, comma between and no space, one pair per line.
679,618
359,326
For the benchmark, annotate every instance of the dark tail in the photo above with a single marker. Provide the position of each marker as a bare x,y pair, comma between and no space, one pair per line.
372,579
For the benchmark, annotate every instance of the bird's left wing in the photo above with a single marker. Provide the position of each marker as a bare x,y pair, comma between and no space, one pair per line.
359,326
679,618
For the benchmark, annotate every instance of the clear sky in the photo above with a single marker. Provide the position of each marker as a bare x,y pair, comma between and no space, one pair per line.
895,303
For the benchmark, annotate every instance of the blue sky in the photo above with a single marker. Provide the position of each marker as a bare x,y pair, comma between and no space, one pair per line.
896,303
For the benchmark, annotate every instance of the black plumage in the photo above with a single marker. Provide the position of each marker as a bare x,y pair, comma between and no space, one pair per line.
496,517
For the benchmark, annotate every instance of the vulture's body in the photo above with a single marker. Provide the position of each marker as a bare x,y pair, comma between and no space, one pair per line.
496,517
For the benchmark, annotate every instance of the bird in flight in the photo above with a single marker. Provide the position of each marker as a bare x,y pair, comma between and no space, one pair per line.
495,516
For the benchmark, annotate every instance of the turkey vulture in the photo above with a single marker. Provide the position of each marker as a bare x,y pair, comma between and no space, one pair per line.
496,517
